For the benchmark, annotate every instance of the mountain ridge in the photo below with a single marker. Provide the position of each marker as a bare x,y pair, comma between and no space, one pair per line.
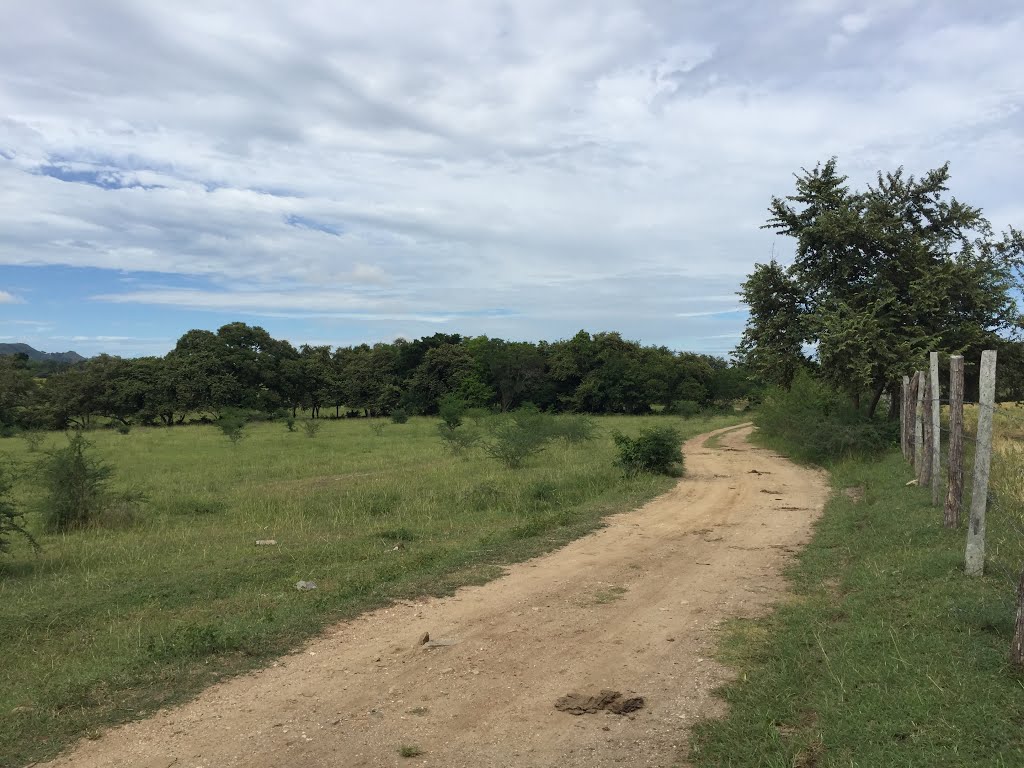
34,354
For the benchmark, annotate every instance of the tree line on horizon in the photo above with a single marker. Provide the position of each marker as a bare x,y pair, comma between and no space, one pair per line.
243,367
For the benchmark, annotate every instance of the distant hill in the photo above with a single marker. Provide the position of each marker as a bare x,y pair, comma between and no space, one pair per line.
42,357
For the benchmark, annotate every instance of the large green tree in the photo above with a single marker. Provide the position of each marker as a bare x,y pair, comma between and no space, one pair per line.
880,277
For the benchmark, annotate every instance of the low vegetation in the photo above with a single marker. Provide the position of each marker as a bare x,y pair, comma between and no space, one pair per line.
656,450
812,422
888,654
109,622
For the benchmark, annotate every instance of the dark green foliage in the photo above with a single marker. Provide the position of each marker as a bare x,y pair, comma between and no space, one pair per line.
11,518
33,439
311,428
880,278
813,422
242,369
451,409
232,423
123,428
657,451
399,416
687,409
75,484
289,422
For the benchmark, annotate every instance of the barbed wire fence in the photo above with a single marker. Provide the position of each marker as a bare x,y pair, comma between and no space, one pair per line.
989,450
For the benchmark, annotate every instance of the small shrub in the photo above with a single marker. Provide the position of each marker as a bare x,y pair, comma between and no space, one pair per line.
232,424
11,518
684,408
378,428
458,439
409,750
8,430
451,409
399,416
513,442
311,428
123,428
656,451
33,439
75,481
289,422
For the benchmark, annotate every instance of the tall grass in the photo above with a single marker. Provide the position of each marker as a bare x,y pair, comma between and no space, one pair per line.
109,624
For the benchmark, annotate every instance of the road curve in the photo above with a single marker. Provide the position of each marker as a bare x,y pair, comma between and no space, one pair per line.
631,607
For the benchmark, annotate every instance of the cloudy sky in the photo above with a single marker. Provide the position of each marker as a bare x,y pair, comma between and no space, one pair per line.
341,172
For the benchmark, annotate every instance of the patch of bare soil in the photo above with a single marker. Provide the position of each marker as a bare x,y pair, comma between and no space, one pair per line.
482,693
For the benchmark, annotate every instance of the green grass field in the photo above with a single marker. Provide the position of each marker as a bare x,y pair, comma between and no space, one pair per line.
109,624
888,655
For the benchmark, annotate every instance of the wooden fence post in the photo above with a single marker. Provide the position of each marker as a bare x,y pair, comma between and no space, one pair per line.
924,471
918,422
936,413
974,559
912,419
955,490
904,410
1017,646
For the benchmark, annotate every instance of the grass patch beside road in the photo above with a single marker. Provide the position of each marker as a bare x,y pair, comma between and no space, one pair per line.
110,624
888,655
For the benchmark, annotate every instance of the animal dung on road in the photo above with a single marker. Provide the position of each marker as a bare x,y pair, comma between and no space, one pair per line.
604,700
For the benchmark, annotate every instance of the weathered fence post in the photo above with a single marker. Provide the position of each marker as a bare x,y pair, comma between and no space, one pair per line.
918,422
912,419
904,410
1017,646
924,471
974,560
936,413
955,490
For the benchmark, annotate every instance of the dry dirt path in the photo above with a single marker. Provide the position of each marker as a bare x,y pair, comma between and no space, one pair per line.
631,607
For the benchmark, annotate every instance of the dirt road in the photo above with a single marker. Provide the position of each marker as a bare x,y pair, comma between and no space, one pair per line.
631,607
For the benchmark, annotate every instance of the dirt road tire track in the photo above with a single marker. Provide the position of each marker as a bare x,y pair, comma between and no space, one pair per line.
630,607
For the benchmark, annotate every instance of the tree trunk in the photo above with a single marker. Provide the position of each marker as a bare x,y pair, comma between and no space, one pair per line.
875,398
1017,646
894,403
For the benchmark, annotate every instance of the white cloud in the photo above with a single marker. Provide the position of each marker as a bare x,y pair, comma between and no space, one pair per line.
9,298
533,166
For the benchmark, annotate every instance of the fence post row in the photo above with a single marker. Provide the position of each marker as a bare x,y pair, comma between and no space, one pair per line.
955,491
936,411
974,560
